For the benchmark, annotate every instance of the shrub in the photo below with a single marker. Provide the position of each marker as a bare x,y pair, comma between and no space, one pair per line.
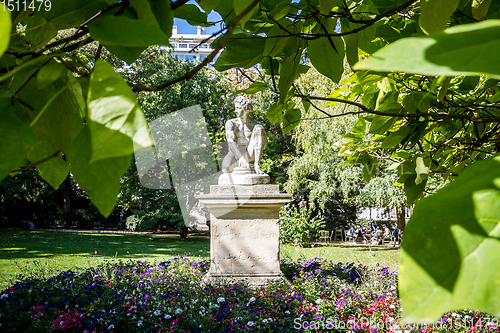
295,223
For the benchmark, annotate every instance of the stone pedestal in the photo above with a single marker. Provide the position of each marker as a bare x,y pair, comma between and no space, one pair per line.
244,232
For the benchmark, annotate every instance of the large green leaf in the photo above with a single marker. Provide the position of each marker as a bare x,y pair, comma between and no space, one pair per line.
480,8
143,10
65,14
240,6
38,32
55,110
55,170
192,14
99,179
396,137
164,15
5,24
275,113
288,70
435,14
115,115
449,257
328,60
468,49
127,54
291,119
124,31
240,53
16,137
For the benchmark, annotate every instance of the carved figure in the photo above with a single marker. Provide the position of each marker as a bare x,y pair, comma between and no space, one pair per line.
246,139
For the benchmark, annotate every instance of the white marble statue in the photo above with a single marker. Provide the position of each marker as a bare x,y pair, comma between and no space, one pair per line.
246,139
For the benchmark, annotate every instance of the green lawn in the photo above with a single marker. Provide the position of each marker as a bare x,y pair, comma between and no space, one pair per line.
57,250
367,255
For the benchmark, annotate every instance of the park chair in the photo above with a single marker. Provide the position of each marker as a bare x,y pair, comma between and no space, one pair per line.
74,225
324,235
338,235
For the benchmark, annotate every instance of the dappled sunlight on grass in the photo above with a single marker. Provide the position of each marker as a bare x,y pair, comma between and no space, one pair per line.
367,255
66,250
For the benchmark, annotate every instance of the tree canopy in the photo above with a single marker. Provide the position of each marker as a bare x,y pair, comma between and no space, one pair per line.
425,87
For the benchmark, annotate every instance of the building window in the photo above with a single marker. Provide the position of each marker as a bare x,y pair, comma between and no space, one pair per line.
183,46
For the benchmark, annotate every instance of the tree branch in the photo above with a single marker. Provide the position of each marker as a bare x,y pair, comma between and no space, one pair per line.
34,164
402,115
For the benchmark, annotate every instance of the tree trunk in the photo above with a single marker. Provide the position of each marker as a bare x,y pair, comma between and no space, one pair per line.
184,232
401,220
66,189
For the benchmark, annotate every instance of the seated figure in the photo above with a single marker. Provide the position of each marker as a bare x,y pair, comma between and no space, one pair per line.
246,139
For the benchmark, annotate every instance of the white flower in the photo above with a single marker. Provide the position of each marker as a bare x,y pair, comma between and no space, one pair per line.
178,311
220,299
319,301
264,321
252,299
4,295
156,312
110,327
250,323
287,312
392,306
168,316
139,323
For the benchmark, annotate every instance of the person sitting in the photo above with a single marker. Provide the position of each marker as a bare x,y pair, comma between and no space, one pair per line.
352,233
378,239
395,235
361,233
373,228
387,232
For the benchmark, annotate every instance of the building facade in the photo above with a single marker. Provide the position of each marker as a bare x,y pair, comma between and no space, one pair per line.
194,47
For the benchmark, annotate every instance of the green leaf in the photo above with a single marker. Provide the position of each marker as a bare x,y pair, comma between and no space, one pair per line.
449,255
49,73
327,60
412,190
123,31
325,6
192,14
143,10
275,45
65,14
394,138
164,15
291,119
5,25
59,119
38,32
16,137
275,113
359,126
115,115
240,6
240,53
468,49
288,70
255,87
435,14
369,170
55,170
100,179
208,5
127,54
480,8
380,124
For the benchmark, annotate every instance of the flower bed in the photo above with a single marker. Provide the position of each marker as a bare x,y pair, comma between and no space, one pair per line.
136,296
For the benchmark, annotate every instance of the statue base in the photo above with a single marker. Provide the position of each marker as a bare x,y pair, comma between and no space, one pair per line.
244,233
243,176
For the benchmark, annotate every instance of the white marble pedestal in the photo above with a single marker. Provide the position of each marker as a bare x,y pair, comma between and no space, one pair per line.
244,232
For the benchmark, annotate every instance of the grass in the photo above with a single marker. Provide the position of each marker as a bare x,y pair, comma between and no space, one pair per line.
367,255
65,250
56,250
